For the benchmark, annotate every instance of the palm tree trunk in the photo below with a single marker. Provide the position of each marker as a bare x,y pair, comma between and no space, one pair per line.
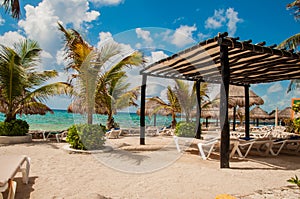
173,125
110,122
9,117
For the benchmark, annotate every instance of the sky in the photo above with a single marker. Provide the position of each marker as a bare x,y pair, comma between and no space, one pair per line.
157,28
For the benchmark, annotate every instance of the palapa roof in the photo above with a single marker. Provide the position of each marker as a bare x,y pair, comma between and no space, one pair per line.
151,105
259,113
248,63
285,113
237,97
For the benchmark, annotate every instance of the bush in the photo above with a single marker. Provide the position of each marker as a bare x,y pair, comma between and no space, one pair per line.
86,136
14,128
185,129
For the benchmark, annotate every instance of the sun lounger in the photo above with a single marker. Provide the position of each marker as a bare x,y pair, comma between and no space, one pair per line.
113,133
207,147
182,143
59,135
10,165
243,147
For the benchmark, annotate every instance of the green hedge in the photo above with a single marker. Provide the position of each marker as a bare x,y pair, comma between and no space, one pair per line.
86,136
185,129
14,128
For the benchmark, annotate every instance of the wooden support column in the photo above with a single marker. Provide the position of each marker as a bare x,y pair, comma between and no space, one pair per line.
224,90
198,117
247,113
234,118
142,115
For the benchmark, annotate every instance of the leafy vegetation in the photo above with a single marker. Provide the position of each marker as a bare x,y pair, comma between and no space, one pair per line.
22,86
102,83
86,136
14,128
294,180
185,129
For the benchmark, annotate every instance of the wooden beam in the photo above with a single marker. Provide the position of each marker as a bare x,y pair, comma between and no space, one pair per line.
247,113
198,117
143,107
224,91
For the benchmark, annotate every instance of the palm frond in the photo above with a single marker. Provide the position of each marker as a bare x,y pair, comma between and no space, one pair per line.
292,42
12,6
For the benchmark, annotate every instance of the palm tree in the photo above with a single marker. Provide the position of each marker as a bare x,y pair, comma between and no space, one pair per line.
292,42
12,6
187,97
22,87
101,91
173,106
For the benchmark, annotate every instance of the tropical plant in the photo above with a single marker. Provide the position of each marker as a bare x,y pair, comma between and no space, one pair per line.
86,136
12,6
173,106
14,128
102,85
292,42
23,89
187,97
185,129
294,180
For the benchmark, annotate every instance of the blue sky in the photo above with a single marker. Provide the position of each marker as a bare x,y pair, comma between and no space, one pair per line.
159,28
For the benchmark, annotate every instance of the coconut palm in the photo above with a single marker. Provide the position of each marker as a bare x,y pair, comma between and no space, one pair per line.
12,6
173,106
187,97
292,42
22,87
101,90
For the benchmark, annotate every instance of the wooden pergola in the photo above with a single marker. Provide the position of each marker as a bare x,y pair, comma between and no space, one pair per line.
224,60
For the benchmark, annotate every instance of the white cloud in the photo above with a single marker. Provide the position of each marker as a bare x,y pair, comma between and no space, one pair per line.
233,19
183,35
104,36
40,23
145,35
276,87
155,56
9,38
107,2
221,18
215,21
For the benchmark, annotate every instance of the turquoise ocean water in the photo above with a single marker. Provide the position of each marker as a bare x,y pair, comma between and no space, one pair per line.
62,120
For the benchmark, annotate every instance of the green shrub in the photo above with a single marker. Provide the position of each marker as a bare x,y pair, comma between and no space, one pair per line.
14,128
185,129
294,180
86,136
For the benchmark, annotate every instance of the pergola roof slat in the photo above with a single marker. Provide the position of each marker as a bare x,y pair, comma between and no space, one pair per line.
248,63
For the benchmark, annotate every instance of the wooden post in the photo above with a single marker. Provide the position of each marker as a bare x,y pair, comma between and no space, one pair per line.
247,113
234,118
142,116
224,90
198,117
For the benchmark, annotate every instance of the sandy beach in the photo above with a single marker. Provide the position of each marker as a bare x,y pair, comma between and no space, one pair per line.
57,173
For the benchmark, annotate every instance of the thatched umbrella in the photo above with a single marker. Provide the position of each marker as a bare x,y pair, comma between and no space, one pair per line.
40,109
285,113
237,98
258,113
150,106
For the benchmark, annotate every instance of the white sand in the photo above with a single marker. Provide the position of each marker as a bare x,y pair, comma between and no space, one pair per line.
58,174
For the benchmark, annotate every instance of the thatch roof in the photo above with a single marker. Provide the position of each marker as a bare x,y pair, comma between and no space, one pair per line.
285,113
259,113
151,105
237,97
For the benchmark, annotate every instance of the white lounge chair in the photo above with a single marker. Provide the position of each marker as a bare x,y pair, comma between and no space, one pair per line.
243,147
206,148
183,141
10,165
113,133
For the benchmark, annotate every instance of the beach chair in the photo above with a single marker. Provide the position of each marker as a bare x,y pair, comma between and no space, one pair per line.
57,134
183,141
113,133
10,165
243,147
207,147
